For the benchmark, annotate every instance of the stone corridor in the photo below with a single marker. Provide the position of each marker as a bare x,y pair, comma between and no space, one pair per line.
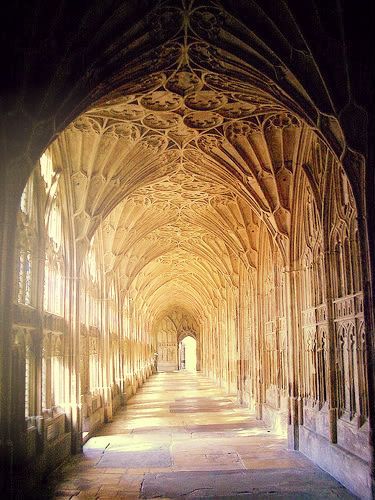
181,436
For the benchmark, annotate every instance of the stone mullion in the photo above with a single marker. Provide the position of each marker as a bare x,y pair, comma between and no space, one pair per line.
213,354
105,336
249,339
277,293
245,325
362,365
132,365
125,332
208,355
356,372
106,353
236,343
317,372
316,364
73,306
217,345
225,324
220,359
48,375
39,305
19,425
259,341
121,335
210,352
241,341
253,358
212,359
331,351
231,336
292,278
239,332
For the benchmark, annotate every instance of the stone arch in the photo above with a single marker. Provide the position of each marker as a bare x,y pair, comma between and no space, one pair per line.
182,334
254,120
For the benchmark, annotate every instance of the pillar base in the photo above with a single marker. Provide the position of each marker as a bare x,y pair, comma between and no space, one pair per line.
76,428
333,415
258,411
295,416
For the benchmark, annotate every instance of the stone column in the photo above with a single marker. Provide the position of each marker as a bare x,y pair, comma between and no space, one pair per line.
361,173
368,274
74,364
258,355
18,398
38,346
10,192
331,365
106,361
295,417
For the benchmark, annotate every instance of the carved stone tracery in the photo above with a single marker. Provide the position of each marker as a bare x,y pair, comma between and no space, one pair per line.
195,198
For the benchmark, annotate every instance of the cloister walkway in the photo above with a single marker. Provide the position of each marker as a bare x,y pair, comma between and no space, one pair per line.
182,437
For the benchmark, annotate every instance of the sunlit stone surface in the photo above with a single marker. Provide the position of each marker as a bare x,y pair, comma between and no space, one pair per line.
179,173
182,437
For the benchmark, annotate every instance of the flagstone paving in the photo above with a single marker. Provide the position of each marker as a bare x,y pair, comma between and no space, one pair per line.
182,437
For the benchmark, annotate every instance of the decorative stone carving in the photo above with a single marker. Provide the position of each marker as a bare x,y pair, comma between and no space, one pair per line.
196,198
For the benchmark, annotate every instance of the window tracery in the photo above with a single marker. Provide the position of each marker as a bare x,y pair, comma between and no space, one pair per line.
273,314
262,152
54,269
27,237
313,300
91,320
347,300
29,364
47,170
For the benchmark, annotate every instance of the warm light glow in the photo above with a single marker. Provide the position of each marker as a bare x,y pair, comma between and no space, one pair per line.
46,170
190,345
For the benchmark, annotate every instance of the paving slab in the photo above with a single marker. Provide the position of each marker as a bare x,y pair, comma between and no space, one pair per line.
181,436
255,484
135,459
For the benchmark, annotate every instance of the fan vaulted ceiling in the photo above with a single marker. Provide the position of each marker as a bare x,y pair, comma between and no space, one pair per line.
181,166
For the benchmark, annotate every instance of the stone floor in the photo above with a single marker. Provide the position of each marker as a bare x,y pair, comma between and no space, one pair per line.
182,437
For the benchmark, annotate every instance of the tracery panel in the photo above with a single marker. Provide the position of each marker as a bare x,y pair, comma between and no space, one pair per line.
272,319
54,269
27,238
311,290
347,300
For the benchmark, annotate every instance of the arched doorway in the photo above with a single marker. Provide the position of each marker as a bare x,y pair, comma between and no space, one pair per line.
188,354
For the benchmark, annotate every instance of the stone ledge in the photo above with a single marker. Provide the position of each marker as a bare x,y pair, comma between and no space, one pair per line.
276,419
347,468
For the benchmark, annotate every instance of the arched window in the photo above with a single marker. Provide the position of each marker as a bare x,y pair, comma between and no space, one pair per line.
54,260
91,318
93,363
346,281
25,268
46,170
27,237
57,371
